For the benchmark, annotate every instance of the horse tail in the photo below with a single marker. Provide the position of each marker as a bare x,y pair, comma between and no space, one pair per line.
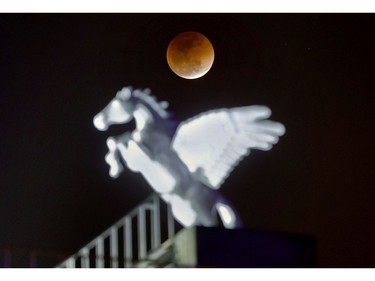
228,213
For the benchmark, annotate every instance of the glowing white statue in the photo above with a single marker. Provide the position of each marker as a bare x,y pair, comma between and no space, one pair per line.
188,163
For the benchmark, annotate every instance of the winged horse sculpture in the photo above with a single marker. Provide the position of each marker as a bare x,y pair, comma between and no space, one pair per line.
186,164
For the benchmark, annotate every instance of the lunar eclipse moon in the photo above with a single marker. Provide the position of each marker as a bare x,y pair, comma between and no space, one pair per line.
190,55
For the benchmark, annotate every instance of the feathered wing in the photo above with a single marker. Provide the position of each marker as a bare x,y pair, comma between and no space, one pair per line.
211,144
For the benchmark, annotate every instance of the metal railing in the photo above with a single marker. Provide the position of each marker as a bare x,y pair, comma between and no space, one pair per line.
128,241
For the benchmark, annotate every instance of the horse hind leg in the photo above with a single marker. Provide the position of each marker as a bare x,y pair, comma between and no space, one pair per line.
228,214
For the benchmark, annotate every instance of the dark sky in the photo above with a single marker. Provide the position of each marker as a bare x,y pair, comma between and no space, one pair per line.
315,71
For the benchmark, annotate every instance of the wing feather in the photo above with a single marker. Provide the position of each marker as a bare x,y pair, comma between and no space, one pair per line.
211,144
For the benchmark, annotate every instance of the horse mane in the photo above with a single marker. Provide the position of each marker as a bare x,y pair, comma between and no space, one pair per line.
159,107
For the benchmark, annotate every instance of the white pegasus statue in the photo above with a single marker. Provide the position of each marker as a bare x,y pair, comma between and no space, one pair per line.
188,163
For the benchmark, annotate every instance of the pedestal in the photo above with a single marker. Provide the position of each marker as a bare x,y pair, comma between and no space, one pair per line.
242,248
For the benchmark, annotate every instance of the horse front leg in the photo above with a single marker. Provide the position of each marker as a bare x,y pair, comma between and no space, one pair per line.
112,158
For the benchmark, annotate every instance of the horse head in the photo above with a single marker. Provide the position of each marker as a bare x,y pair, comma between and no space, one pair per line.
119,110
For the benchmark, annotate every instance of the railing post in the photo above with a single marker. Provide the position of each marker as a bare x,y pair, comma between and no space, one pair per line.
128,237
85,263
70,263
155,222
113,241
170,219
99,253
141,234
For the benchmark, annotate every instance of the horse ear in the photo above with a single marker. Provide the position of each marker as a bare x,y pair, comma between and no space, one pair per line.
124,94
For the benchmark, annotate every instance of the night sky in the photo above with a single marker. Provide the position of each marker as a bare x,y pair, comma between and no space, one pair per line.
315,71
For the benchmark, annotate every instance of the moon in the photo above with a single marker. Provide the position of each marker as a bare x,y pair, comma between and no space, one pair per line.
190,55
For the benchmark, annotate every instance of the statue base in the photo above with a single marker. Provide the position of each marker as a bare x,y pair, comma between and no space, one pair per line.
242,248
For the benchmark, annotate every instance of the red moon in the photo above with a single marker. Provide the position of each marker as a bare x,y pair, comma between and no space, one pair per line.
190,55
